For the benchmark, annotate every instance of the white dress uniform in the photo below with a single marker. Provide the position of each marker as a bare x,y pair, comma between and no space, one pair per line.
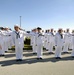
6,40
43,38
70,45
5,48
39,46
32,38
59,44
51,42
10,41
18,38
47,44
72,54
33,42
66,42
1,44
46,41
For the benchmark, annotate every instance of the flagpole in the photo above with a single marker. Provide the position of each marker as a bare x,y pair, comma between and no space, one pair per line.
20,21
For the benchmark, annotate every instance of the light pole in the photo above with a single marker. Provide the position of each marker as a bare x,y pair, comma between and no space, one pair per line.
20,21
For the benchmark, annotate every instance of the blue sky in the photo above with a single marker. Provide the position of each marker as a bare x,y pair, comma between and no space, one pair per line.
44,13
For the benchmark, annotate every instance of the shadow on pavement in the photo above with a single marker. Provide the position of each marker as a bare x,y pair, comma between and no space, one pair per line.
33,60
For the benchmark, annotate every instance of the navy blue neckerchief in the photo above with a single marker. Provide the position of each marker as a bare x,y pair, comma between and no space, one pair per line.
61,36
17,35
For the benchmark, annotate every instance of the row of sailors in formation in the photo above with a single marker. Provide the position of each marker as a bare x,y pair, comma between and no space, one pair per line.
39,40
61,41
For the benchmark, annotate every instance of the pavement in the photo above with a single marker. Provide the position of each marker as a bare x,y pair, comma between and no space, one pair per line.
31,66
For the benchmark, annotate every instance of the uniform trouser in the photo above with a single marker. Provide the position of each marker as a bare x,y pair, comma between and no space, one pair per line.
34,48
70,45
58,51
72,54
50,47
6,46
39,51
31,43
47,46
66,46
45,43
19,51
2,50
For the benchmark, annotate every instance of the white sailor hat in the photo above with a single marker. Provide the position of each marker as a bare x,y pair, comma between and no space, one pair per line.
6,27
16,25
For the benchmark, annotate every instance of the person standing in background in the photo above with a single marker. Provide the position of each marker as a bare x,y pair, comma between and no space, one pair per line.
39,44
72,54
51,42
58,43
66,41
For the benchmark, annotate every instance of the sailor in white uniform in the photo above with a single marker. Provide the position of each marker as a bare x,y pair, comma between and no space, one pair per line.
59,44
47,45
32,33
46,39
66,41
6,39
9,39
72,54
70,45
51,42
3,35
18,38
33,41
39,44
2,52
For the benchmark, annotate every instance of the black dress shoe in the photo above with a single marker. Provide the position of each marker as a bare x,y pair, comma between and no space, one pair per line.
72,56
5,51
38,58
3,55
20,59
56,58
51,53
46,49
34,53
0,55
59,57
65,52
17,60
